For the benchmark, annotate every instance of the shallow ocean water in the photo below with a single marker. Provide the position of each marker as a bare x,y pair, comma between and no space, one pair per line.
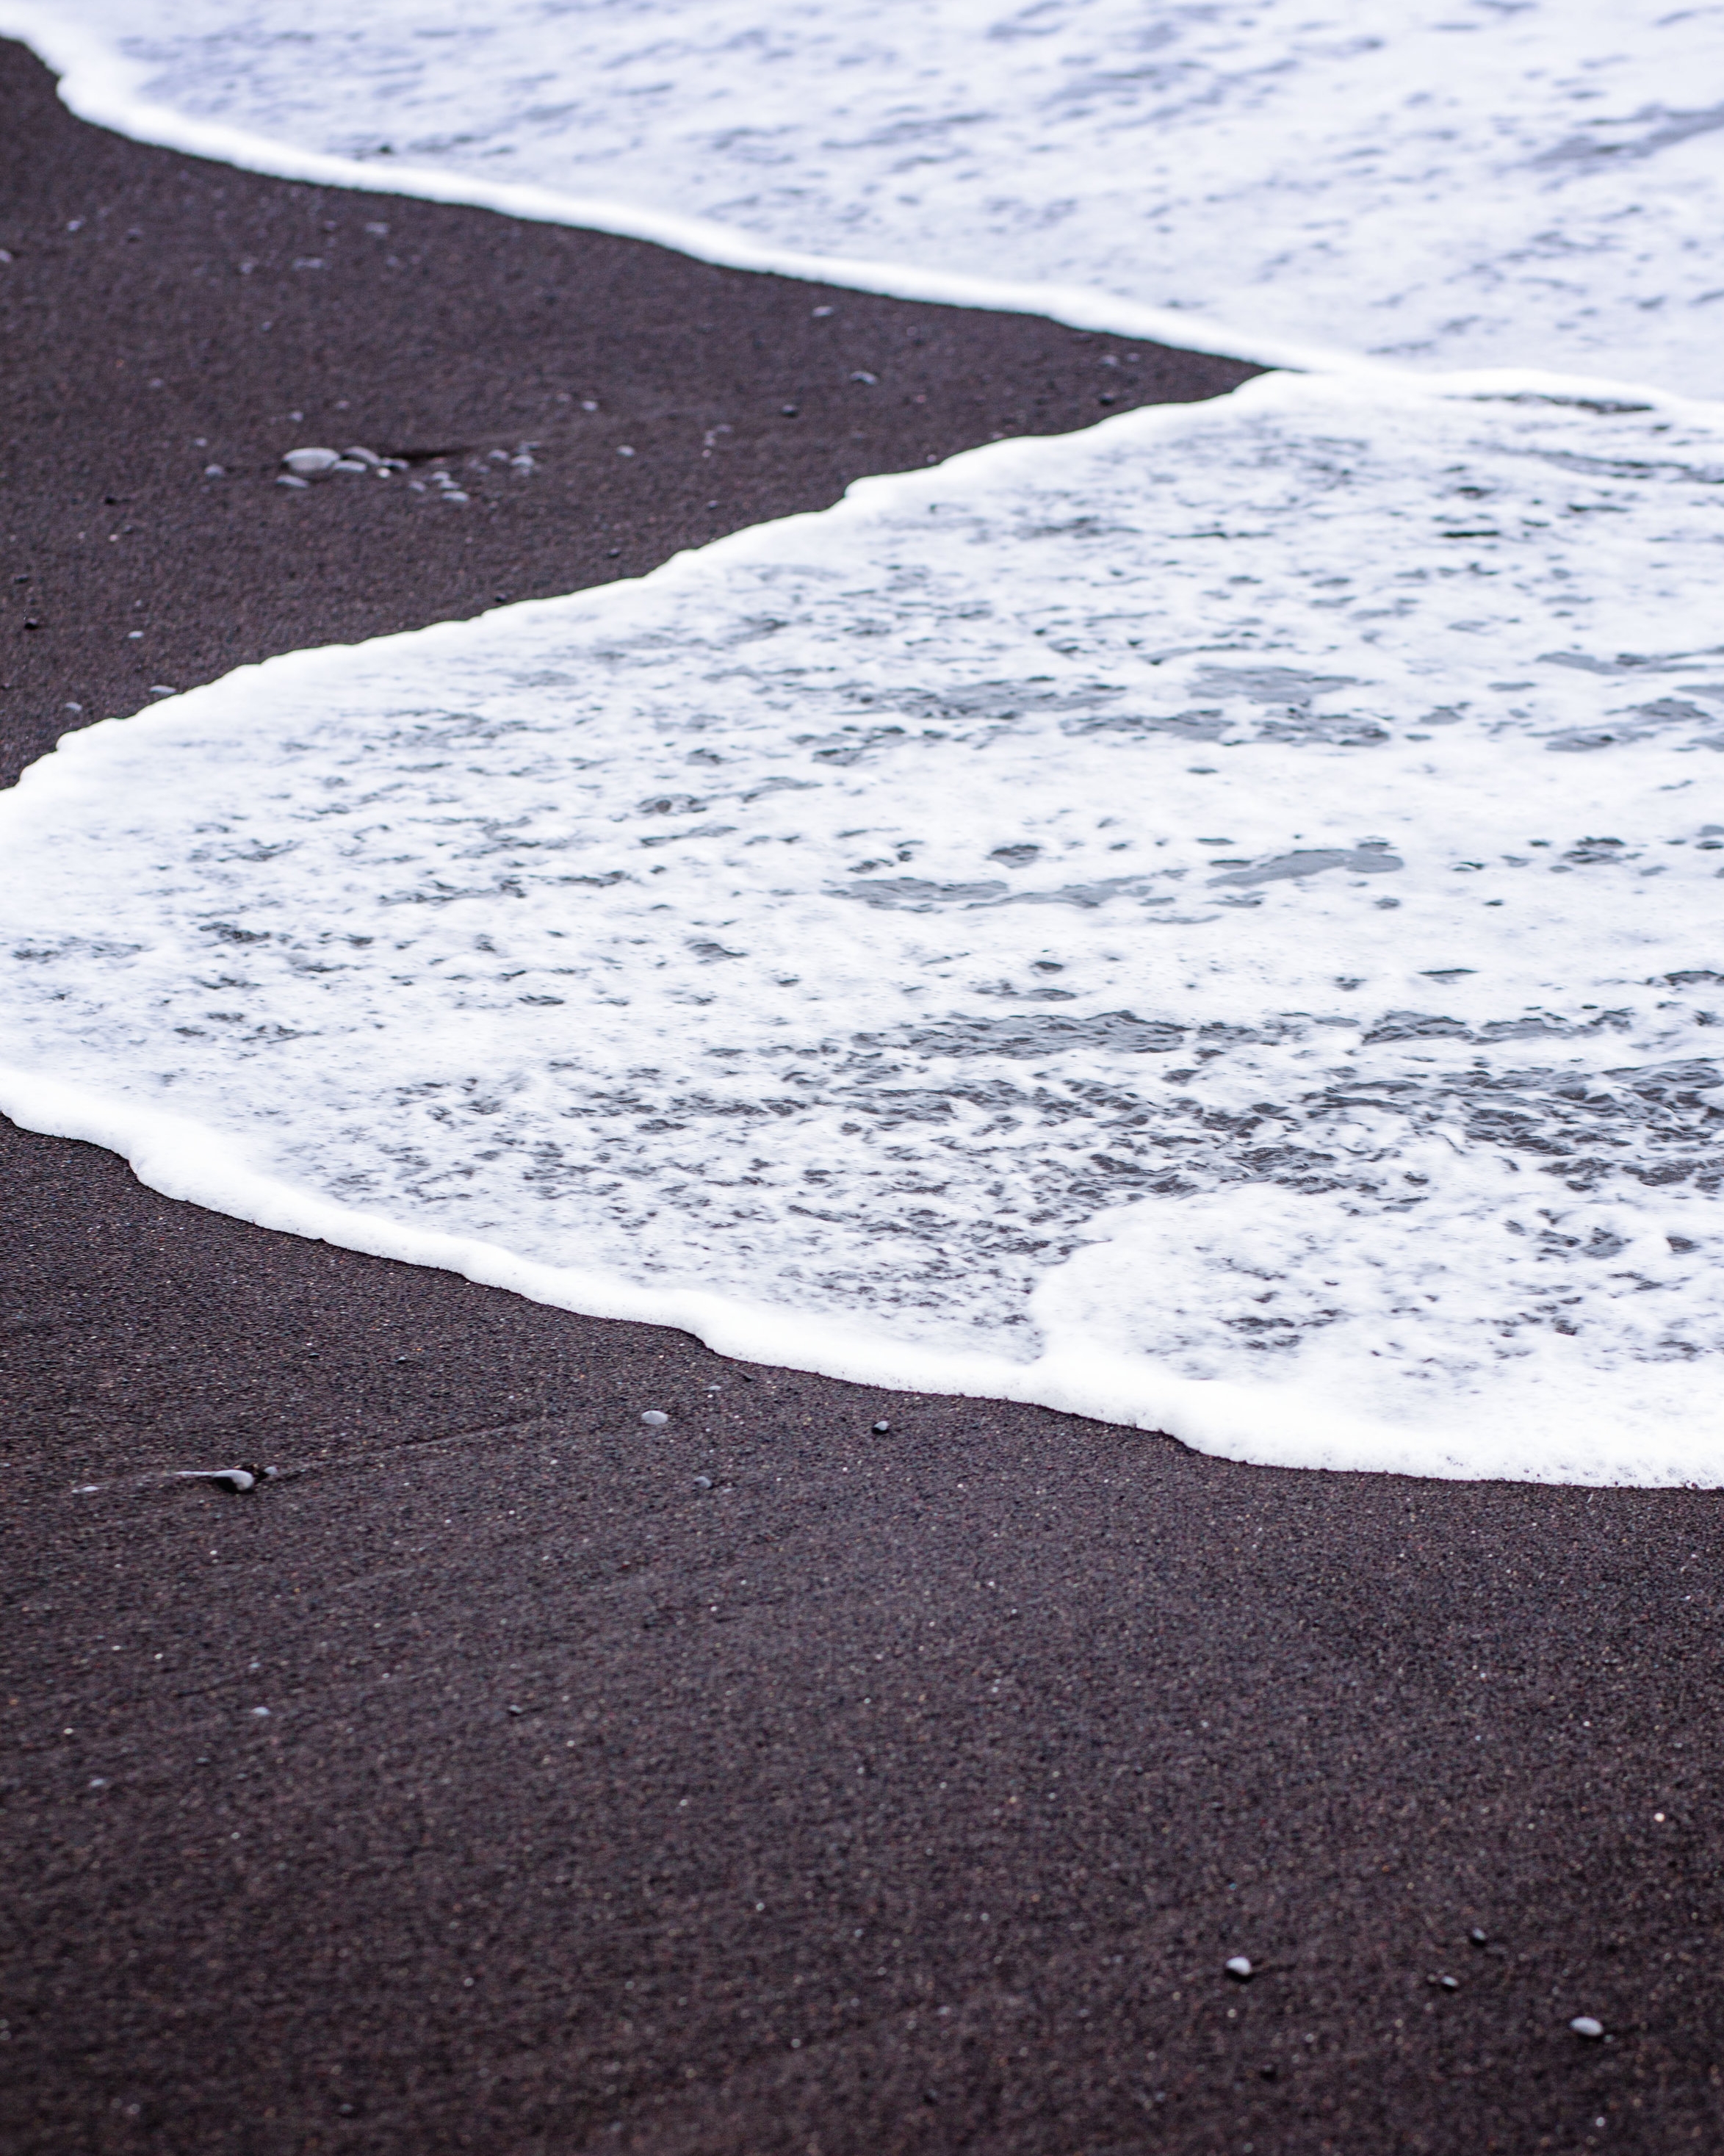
1211,922
1441,184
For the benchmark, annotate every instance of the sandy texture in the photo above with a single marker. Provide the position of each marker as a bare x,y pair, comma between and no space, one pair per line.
761,1782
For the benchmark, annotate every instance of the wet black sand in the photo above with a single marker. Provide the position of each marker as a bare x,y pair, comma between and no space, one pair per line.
893,1792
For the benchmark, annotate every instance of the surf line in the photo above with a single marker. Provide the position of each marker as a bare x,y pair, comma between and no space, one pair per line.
102,86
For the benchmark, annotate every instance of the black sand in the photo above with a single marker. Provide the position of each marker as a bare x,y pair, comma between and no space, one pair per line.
762,1784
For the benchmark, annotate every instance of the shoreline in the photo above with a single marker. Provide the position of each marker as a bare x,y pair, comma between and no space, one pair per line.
97,85
761,1780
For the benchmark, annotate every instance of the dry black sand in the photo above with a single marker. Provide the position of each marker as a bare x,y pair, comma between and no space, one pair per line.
761,1783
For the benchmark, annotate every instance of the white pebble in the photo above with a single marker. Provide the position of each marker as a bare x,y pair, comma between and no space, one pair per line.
289,478
306,464
454,494
369,457
350,464
1583,2024
1239,1967
655,1418
240,1479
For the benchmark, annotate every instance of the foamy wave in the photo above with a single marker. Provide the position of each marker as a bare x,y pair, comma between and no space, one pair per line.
1446,185
1207,923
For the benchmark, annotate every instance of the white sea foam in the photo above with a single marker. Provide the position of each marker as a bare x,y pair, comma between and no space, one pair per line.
1208,923
1441,184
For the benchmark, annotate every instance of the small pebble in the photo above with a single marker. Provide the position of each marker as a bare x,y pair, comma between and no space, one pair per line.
306,464
1583,2024
881,1427
260,1711
215,471
703,1482
350,464
287,479
789,410
453,494
237,1479
368,458
1239,1969
862,374
655,1418
1478,1937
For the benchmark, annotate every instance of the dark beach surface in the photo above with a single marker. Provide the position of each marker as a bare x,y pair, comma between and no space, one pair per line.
506,1774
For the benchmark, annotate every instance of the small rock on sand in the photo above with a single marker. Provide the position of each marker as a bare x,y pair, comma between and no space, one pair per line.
1239,1969
307,464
